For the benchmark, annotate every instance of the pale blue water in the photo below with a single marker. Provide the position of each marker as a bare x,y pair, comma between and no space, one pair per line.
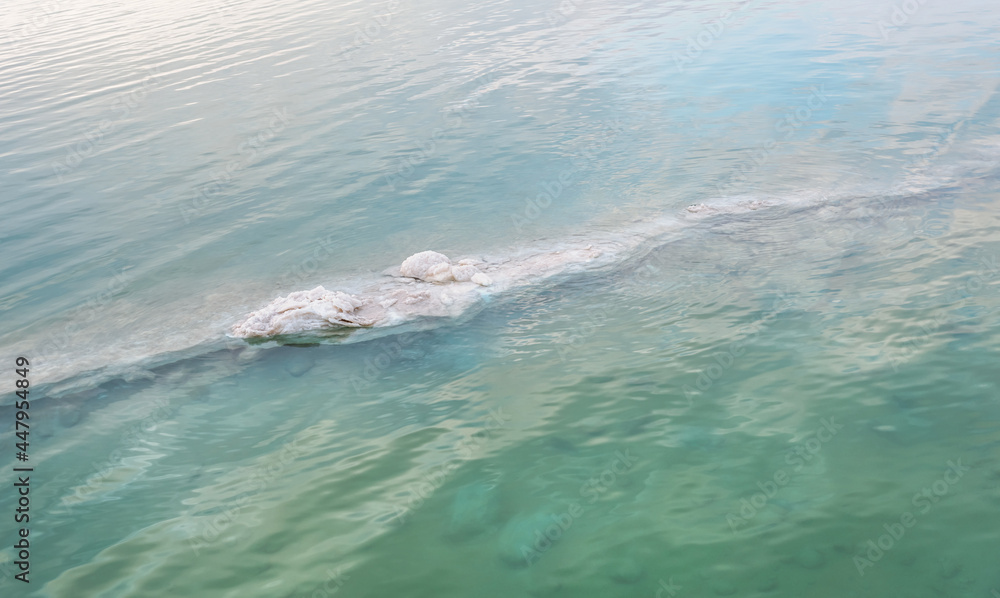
736,407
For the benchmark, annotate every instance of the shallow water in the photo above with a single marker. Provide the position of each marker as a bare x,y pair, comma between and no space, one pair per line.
736,403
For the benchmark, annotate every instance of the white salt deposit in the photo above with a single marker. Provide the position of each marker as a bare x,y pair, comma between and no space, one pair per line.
98,350
733,207
302,311
432,266
441,289
429,285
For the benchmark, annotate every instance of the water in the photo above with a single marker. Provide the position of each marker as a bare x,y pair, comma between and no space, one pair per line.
733,401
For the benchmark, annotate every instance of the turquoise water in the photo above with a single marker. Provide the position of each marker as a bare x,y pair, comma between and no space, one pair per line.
789,389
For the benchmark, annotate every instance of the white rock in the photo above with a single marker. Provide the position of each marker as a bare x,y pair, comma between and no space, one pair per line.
302,311
425,264
432,266
464,273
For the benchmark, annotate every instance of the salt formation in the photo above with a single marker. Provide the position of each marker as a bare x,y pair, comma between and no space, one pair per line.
427,285
303,311
736,207
432,266
452,292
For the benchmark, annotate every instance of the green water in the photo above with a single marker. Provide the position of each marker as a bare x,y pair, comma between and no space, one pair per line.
795,398
628,416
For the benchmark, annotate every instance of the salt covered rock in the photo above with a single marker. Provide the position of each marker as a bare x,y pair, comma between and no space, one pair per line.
426,265
473,511
464,273
522,537
406,296
303,311
436,267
